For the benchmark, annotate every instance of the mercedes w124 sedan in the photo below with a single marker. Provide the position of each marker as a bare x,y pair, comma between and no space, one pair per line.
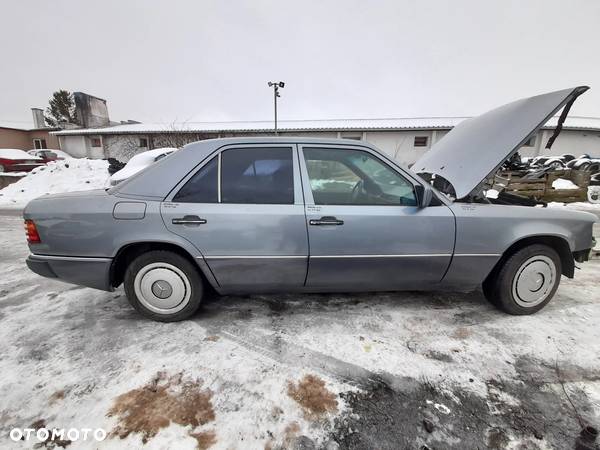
273,214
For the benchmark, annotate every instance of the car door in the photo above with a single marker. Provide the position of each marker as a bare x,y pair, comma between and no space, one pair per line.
243,209
364,226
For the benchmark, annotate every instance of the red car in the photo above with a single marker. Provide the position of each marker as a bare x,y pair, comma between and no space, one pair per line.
13,160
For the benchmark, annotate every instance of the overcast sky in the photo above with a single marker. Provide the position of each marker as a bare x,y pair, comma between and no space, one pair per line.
160,61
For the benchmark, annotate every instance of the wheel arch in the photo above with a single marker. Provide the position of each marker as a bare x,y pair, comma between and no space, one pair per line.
557,243
132,250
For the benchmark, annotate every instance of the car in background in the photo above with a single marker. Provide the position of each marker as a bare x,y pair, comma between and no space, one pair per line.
48,155
14,160
45,155
137,163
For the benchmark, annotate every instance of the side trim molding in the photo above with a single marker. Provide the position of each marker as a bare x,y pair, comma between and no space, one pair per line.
421,255
254,257
71,258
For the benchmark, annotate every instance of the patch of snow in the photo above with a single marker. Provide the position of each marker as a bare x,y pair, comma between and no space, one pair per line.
56,177
561,183
13,153
491,193
440,407
574,205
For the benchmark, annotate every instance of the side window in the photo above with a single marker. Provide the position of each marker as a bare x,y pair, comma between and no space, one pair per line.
202,187
354,177
257,176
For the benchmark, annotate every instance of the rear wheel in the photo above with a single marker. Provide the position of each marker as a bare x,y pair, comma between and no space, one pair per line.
526,281
163,286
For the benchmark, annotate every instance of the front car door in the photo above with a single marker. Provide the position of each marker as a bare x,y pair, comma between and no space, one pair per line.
365,228
243,209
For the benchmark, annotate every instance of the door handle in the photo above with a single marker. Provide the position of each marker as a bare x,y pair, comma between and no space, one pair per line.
188,220
326,220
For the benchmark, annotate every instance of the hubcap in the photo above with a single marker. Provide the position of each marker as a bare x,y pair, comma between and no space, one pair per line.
162,288
534,281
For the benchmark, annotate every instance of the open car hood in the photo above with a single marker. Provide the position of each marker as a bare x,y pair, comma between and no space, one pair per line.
477,147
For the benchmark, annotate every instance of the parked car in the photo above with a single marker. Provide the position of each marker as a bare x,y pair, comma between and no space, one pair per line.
272,214
48,155
137,163
14,160
45,155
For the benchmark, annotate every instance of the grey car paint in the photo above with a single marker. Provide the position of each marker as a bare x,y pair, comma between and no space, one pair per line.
261,247
477,147
265,248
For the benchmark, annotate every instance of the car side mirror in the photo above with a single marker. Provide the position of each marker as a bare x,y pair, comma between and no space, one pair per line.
424,195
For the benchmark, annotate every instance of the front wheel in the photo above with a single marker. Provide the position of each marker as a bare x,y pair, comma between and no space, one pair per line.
163,286
527,280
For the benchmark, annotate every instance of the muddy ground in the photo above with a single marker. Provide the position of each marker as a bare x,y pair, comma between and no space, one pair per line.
386,371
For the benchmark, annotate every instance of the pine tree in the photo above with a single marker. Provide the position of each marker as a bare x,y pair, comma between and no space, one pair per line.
61,109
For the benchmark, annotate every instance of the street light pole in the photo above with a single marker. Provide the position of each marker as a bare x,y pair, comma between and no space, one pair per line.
276,85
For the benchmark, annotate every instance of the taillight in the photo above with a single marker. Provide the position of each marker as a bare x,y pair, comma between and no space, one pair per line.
31,232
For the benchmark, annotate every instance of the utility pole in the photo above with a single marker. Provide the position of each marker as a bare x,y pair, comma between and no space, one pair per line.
276,85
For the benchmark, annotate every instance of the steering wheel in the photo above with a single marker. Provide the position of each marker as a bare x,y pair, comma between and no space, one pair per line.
357,190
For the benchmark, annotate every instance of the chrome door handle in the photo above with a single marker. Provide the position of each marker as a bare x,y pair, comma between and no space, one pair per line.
326,220
188,220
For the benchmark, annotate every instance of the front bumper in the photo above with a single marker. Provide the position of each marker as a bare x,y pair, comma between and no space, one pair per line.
89,272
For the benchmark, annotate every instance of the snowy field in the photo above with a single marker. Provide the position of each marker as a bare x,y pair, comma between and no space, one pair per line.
386,371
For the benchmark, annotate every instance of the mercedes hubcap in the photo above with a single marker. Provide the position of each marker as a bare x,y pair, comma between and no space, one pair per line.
534,281
162,288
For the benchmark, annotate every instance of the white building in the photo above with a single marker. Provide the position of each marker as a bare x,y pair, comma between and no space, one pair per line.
403,139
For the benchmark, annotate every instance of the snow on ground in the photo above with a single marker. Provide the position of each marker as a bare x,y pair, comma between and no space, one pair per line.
561,183
53,178
281,371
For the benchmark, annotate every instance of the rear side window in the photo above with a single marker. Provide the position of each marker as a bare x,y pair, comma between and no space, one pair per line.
202,187
257,176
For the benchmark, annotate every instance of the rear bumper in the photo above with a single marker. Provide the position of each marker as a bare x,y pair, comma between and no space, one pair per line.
89,272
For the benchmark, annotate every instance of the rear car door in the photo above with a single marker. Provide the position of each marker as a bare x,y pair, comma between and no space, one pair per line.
365,228
243,209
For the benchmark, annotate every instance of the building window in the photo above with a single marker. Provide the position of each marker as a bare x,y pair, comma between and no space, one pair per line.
352,136
421,141
530,142
144,142
96,142
39,144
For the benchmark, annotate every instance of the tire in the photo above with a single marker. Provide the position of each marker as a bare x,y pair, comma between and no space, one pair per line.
163,286
526,281
1,168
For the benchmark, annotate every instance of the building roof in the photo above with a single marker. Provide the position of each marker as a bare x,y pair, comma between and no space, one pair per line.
16,125
21,126
409,123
